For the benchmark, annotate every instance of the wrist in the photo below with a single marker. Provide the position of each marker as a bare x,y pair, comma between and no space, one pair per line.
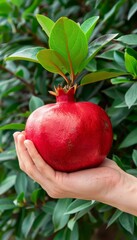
124,195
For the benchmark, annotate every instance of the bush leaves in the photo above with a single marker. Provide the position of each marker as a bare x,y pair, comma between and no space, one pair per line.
88,26
131,95
25,53
99,76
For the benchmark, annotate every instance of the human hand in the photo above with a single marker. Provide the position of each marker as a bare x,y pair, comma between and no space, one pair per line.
96,183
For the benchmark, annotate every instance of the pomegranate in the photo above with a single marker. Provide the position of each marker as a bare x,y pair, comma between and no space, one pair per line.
69,135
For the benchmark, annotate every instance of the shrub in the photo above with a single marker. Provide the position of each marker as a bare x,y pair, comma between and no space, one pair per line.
26,211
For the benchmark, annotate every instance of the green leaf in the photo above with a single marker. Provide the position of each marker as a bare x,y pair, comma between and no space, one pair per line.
113,10
131,61
13,126
20,200
34,103
78,205
6,204
98,44
134,156
5,7
63,234
25,53
59,219
7,155
119,58
7,183
114,217
52,61
74,208
132,11
89,25
130,139
119,80
42,227
131,95
21,183
30,9
107,55
75,233
27,223
35,195
130,39
17,2
66,234
68,39
127,222
46,23
49,207
124,105
99,76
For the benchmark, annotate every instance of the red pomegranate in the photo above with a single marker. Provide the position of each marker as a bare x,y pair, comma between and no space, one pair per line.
70,135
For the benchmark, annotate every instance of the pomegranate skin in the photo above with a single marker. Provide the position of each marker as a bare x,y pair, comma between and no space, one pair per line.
70,136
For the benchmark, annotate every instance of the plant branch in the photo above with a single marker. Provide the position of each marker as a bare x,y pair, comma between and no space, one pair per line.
28,85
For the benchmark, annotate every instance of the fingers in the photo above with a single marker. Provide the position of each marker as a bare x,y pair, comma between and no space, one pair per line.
35,167
25,162
40,164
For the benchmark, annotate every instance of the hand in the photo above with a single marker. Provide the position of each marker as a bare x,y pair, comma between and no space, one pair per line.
95,183
107,183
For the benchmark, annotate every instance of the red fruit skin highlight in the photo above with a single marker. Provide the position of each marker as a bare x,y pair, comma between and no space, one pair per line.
69,135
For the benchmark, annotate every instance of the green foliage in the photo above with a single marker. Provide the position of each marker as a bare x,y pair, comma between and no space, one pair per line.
106,48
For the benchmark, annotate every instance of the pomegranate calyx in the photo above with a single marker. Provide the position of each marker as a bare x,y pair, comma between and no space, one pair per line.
64,94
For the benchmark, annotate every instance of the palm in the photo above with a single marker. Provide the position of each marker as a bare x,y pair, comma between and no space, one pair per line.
94,181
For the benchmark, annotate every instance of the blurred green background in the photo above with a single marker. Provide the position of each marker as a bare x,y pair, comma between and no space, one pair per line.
26,211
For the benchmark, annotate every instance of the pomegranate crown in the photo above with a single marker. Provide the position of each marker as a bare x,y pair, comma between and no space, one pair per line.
64,94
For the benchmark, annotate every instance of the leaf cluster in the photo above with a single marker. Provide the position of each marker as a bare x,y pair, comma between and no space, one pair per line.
107,52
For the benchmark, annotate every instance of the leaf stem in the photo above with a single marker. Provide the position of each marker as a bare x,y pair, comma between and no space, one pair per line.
28,85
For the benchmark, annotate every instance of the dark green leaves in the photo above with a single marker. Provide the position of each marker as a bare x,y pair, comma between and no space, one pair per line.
70,42
98,44
34,103
6,204
78,205
98,76
130,139
127,222
7,183
130,39
125,219
132,10
27,53
114,217
131,95
134,156
59,218
27,223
